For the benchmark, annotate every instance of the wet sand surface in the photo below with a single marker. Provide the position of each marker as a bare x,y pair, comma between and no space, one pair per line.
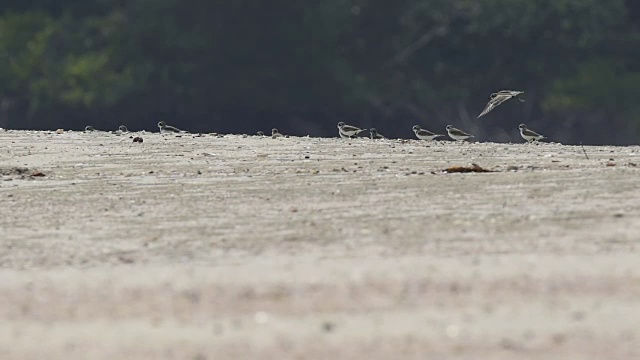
205,247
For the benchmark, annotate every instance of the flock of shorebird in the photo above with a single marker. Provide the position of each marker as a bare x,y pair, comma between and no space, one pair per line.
348,131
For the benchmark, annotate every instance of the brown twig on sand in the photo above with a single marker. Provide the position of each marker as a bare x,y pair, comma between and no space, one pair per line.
584,151
466,169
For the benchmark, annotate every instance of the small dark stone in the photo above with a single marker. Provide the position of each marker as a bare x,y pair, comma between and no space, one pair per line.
137,139
328,326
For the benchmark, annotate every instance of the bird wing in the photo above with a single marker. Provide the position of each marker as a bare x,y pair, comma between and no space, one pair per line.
496,100
424,132
171,128
514,94
529,132
459,132
510,92
351,128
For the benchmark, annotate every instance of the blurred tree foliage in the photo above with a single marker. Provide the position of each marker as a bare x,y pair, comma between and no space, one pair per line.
245,65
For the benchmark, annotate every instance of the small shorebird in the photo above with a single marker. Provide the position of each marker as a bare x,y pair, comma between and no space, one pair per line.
498,98
89,128
168,129
373,134
275,133
348,131
423,134
121,130
457,134
260,133
528,134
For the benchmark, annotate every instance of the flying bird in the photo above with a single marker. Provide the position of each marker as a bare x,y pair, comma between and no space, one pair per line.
498,98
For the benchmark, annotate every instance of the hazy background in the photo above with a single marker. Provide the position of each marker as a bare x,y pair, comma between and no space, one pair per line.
302,66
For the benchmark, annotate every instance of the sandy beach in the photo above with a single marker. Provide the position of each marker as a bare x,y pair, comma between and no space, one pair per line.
205,247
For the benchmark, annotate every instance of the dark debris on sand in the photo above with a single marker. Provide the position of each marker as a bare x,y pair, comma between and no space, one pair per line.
466,169
20,172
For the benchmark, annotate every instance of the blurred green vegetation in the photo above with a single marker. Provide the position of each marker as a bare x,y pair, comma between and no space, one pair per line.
241,66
